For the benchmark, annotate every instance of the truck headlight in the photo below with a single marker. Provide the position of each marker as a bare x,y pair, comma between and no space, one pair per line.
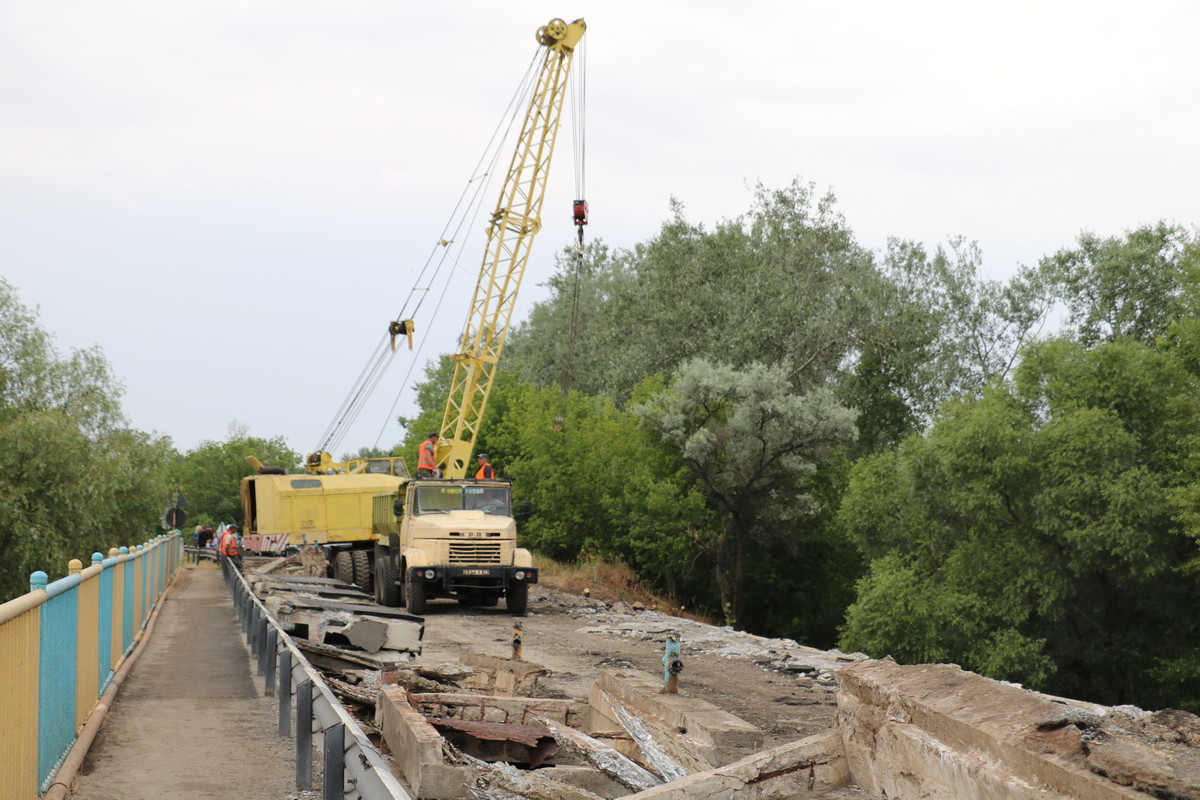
430,574
519,574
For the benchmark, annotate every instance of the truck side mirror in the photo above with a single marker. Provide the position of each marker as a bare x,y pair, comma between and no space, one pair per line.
398,507
524,511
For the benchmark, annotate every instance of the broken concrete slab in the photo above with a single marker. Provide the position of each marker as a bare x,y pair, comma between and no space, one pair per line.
372,628
495,708
936,731
436,770
696,734
601,756
805,768
503,676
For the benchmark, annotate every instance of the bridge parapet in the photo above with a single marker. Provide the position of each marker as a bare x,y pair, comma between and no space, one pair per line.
60,646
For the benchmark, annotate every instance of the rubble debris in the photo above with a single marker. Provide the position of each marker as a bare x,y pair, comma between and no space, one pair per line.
514,743
808,767
500,781
695,735
503,676
499,708
656,756
325,611
601,756
1154,753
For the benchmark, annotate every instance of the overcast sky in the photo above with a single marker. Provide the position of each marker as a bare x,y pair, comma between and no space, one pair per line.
233,197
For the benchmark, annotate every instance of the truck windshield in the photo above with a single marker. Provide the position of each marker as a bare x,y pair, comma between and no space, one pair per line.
442,499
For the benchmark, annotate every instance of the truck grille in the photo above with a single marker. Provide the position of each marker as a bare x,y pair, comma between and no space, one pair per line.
474,553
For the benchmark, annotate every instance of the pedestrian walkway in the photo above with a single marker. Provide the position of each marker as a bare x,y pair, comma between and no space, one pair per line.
189,721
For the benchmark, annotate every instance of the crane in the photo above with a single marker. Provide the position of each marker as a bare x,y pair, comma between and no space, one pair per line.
510,233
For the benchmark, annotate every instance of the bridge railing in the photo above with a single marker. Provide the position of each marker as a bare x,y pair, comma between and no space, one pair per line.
60,646
353,767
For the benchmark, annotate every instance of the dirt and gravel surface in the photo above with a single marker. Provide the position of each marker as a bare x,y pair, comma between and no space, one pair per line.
787,690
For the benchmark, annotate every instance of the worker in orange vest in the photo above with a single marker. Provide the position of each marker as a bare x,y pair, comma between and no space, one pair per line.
485,469
427,460
229,546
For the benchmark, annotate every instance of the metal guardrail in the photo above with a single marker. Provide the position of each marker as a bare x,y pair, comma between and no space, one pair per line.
194,555
60,646
353,767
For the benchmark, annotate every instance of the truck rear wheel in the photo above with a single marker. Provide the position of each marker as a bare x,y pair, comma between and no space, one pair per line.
517,598
417,593
343,566
362,569
387,593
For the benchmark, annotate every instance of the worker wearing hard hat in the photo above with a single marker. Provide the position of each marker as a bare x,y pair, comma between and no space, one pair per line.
485,469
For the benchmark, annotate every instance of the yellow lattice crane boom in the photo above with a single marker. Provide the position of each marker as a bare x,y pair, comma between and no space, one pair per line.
510,234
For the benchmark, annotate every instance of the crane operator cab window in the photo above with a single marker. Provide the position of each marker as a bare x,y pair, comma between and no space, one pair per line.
443,499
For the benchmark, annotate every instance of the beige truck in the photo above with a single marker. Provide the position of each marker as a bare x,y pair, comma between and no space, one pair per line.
450,538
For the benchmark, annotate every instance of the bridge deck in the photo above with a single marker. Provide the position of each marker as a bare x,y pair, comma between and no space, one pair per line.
191,721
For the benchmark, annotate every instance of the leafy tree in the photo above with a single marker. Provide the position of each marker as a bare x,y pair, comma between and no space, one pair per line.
957,332
210,475
1035,534
1135,285
753,446
783,284
73,478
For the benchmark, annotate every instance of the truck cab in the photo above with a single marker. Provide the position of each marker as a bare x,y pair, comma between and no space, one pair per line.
450,538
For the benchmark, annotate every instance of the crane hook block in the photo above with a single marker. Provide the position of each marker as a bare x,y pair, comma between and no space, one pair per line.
401,326
580,207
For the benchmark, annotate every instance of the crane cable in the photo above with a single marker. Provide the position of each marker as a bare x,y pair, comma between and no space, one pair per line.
579,141
443,267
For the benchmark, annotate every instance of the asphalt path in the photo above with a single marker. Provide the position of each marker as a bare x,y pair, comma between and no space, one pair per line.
190,720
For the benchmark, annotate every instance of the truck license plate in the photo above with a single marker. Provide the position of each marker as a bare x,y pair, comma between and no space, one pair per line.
484,572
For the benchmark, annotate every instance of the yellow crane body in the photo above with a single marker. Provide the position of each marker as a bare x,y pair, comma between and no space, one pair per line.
510,234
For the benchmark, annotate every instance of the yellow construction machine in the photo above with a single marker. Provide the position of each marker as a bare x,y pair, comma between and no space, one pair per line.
410,540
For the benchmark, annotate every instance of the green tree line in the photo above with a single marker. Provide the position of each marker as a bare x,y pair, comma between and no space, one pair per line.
886,452
883,451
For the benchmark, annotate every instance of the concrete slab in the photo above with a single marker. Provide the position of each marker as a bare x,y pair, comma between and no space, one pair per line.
696,734
503,676
936,731
806,768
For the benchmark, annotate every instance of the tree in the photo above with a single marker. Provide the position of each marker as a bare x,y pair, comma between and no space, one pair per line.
957,332
783,284
1134,286
753,445
1035,534
74,479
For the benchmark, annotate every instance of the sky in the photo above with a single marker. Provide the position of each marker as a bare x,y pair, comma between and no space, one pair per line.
232,198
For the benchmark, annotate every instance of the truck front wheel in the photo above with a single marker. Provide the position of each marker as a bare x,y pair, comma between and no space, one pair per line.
416,597
517,598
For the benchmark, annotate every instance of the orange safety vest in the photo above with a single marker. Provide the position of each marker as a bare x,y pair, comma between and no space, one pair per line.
485,472
229,544
426,460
